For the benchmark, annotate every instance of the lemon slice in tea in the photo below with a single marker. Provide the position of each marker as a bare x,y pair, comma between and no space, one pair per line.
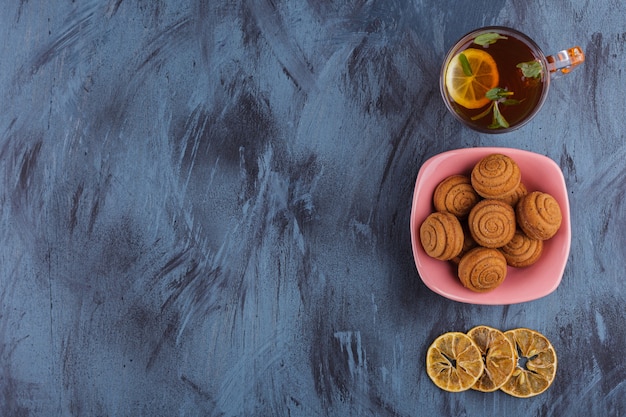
469,75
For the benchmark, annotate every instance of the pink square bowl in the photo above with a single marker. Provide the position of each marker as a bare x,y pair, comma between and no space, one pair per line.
521,284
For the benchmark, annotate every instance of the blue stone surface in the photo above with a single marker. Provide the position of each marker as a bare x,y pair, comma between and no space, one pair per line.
204,207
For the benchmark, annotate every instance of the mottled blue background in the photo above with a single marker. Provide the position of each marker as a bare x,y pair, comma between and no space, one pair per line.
204,207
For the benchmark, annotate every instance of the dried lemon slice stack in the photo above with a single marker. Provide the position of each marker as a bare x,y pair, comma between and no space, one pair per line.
520,362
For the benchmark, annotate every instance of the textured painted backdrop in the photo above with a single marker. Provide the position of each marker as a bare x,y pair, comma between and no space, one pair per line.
204,207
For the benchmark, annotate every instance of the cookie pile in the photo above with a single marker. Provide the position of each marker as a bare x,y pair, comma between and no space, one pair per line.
487,221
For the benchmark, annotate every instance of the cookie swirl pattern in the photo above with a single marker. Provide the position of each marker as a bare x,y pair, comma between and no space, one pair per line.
496,176
539,215
522,251
492,223
441,236
482,269
455,195
513,198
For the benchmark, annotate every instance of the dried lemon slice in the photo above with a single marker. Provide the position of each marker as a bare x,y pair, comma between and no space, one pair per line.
537,364
454,362
499,357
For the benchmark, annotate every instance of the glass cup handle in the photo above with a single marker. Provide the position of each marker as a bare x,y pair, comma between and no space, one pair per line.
565,61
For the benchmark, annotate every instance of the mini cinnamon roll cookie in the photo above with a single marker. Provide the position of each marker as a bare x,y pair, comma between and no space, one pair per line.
496,176
522,251
492,223
468,243
482,269
455,195
539,215
513,199
441,235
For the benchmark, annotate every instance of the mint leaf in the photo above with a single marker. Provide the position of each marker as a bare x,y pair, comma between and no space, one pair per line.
467,70
511,102
484,113
531,69
488,38
497,93
498,118
493,93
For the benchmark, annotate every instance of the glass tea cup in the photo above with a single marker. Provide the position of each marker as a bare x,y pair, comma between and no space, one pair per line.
495,79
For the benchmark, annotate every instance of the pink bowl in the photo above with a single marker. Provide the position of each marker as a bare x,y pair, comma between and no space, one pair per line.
521,284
